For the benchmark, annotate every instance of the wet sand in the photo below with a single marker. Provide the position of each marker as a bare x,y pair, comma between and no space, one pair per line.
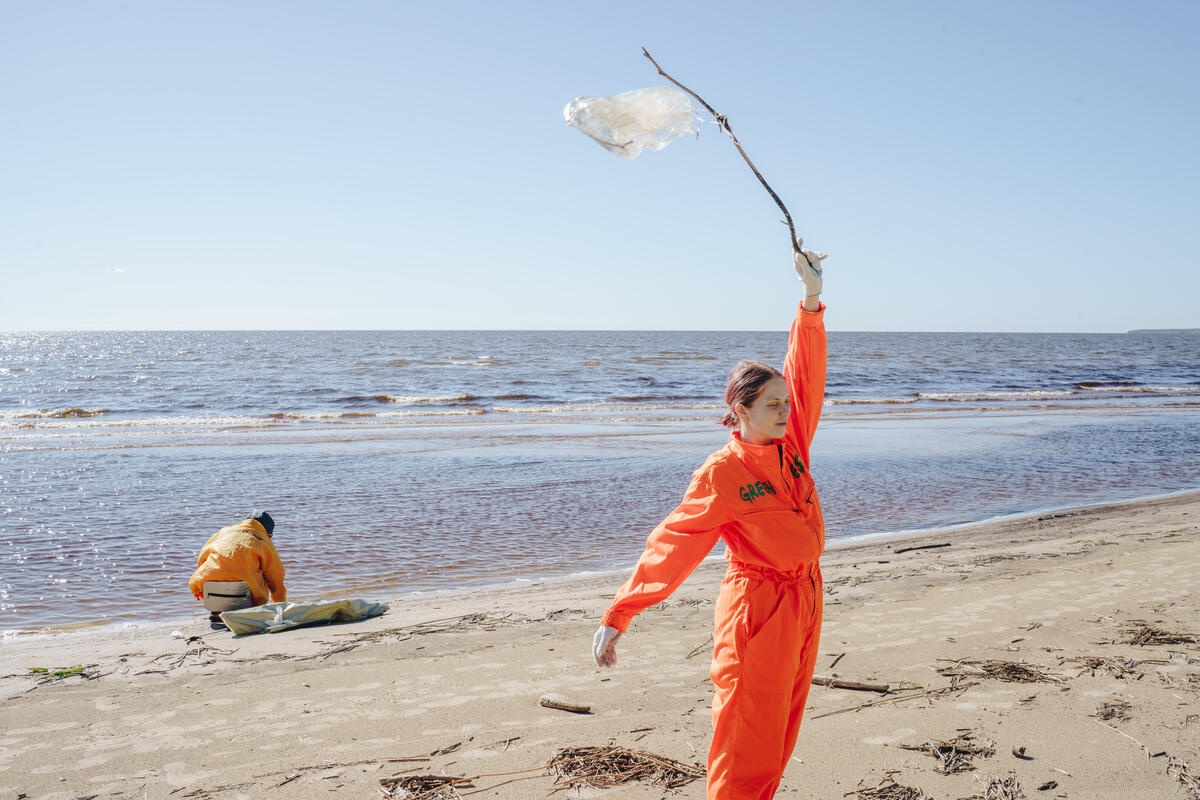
454,681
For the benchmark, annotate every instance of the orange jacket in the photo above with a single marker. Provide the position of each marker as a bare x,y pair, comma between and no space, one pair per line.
759,498
242,552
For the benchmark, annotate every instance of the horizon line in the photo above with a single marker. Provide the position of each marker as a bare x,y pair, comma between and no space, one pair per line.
568,330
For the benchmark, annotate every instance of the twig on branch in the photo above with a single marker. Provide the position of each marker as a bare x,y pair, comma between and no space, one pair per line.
723,121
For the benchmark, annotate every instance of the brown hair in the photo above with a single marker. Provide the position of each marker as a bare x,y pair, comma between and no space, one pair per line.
745,384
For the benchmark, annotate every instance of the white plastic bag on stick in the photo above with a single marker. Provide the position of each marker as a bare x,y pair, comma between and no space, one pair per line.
630,122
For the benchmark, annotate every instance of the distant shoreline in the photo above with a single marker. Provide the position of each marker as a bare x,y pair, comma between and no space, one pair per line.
1164,330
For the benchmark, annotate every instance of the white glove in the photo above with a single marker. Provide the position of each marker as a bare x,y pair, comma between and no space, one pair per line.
604,646
808,267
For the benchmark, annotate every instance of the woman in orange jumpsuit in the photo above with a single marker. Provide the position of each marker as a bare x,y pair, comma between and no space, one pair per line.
756,494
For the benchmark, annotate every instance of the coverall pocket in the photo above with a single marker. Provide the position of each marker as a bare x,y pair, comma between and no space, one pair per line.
771,655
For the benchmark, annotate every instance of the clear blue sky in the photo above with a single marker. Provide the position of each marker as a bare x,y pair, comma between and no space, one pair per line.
1028,165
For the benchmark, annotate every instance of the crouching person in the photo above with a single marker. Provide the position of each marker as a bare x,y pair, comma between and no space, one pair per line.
239,567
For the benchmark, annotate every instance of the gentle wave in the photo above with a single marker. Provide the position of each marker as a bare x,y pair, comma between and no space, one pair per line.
55,413
407,400
600,407
869,401
1144,389
653,398
470,405
1035,394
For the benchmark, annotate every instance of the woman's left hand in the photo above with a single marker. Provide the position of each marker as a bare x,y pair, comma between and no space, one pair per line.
808,267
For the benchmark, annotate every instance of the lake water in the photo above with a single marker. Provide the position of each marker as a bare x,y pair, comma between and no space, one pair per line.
409,461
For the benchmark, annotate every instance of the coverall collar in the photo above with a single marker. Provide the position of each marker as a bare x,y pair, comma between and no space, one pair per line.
753,452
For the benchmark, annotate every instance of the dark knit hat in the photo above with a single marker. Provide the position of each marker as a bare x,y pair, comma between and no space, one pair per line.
264,518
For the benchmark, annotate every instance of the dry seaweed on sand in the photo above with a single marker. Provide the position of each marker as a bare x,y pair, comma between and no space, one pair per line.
195,648
50,675
1009,671
423,787
1114,709
484,620
956,685
1000,789
888,789
478,621
1116,667
1187,777
1140,633
955,755
609,766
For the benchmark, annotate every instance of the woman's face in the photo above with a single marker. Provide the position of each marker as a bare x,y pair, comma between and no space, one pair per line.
766,418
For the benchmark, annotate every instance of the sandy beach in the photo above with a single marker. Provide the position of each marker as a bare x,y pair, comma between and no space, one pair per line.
451,684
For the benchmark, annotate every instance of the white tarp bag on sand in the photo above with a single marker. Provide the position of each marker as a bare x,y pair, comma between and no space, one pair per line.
630,122
275,617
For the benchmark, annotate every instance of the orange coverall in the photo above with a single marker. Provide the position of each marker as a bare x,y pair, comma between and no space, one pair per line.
242,552
761,500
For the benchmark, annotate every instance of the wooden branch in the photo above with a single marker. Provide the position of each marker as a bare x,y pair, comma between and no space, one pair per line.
921,547
564,704
898,699
724,123
839,683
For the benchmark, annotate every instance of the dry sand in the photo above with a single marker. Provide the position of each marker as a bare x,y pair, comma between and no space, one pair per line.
308,714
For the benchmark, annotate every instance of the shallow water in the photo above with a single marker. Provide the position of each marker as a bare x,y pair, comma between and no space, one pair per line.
121,452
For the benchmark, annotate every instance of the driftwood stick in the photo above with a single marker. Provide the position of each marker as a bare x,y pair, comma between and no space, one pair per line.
723,121
839,683
1145,749
339,764
921,547
564,704
898,699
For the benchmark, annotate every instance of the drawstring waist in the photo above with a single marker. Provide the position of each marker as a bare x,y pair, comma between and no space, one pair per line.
808,573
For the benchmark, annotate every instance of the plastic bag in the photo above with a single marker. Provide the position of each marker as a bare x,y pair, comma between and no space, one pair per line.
630,122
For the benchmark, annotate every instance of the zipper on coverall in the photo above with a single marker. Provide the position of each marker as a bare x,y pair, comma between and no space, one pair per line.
783,476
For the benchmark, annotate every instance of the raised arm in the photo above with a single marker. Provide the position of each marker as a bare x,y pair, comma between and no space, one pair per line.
804,366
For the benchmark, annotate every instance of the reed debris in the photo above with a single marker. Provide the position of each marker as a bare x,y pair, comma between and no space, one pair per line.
1000,789
1140,633
1114,709
424,787
1008,671
1116,667
610,765
1187,777
888,789
194,648
957,754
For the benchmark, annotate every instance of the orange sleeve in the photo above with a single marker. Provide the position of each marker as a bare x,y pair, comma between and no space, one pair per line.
673,550
804,371
272,570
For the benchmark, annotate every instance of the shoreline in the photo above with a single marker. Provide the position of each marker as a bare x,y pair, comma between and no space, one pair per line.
91,627
454,682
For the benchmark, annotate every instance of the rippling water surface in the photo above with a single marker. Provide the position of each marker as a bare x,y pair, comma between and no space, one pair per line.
402,461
